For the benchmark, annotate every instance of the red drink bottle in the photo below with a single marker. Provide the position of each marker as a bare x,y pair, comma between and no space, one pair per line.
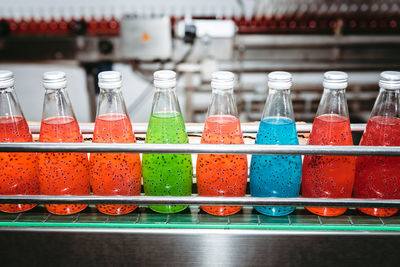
18,171
61,173
222,175
114,173
379,177
330,176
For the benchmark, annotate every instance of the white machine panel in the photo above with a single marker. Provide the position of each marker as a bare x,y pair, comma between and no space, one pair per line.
30,91
146,38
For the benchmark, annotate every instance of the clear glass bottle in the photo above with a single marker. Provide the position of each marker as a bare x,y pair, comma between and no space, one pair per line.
61,173
330,176
222,175
18,171
379,177
114,173
276,175
166,174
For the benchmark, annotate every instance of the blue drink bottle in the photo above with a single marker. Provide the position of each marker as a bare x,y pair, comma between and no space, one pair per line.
276,175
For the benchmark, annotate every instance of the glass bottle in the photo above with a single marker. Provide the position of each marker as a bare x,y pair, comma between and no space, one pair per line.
18,171
61,173
166,174
330,176
276,175
114,173
379,177
222,175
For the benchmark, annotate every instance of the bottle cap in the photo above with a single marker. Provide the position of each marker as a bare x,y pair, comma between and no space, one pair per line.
54,80
390,80
6,79
280,80
110,79
335,80
222,80
164,79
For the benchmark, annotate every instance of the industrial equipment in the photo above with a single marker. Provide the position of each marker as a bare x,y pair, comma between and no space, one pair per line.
196,38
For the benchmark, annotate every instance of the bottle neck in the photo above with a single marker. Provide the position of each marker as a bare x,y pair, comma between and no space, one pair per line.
111,101
165,101
9,104
278,105
57,104
333,102
222,103
387,104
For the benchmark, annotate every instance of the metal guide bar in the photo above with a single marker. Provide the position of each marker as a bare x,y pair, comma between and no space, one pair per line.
197,200
198,128
202,149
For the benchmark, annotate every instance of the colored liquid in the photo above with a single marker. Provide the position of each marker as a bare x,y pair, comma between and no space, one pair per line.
167,174
329,176
63,173
115,173
379,177
18,171
275,175
221,175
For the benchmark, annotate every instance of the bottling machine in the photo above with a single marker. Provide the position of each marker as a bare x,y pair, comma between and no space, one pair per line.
195,38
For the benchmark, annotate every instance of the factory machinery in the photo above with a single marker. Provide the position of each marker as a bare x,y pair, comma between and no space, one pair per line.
195,38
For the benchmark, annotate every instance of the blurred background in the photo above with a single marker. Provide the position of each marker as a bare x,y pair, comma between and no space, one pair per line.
195,38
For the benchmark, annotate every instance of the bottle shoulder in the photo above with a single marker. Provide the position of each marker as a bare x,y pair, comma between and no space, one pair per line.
384,131
166,127
113,128
275,130
60,129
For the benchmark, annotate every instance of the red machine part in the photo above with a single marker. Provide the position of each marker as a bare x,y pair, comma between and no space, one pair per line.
253,25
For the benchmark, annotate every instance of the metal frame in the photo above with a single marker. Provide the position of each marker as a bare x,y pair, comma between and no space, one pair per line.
196,200
203,148
199,127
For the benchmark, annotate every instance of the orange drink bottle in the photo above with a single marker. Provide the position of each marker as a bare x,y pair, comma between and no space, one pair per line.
222,175
61,173
18,171
114,173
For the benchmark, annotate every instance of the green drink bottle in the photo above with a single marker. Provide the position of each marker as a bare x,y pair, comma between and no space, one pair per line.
166,174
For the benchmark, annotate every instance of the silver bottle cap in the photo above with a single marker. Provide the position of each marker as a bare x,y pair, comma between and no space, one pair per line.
280,80
6,79
164,79
335,80
54,80
222,80
110,79
390,80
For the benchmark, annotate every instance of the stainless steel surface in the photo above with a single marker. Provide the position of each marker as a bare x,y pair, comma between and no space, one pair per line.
203,149
196,200
195,247
188,231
